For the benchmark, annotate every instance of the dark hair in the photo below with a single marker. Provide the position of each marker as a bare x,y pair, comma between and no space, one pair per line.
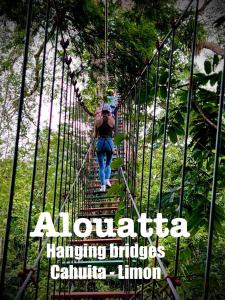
105,112
110,93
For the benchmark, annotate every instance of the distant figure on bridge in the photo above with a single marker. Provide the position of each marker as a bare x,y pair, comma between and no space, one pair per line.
112,101
104,126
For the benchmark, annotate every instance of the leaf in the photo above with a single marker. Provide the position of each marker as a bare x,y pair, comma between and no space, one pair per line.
119,138
116,190
160,128
167,199
182,96
174,81
163,78
213,79
179,118
172,135
178,128
207,95
120,212
117,163
215,60
207,66
163,92
200,79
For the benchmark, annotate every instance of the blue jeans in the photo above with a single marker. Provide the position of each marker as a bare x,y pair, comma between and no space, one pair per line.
104,149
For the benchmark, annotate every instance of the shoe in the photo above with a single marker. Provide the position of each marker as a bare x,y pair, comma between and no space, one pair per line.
103,188
107,182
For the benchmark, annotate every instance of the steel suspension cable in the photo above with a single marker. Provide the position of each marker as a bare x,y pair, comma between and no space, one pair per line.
70,149
67,142
214,184
73,146
48,148
69,208
166,122
61,193
134,145
127,107
74,159
131,156
106,43
143,147
133,164
29,11
143,158
177,23
66,43
175,294
57,159
28,277
136,153
189,99
144,138
71,137
64,46
16,147
152,148
37,135
165,136
79,154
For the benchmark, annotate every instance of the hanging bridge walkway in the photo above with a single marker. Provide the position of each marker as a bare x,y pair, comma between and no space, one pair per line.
70,175
97,204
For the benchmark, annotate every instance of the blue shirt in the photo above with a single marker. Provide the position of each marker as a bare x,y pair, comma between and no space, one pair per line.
112,100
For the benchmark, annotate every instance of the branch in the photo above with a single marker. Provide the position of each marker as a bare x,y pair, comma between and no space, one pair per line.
211,46
82,104
37,58
204,5
28,116
205,117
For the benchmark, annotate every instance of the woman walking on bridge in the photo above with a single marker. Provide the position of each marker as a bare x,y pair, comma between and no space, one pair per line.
104,126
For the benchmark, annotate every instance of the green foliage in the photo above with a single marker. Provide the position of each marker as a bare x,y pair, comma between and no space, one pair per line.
207,66
120,212
215,61
117,163
132,36
119,138
198,172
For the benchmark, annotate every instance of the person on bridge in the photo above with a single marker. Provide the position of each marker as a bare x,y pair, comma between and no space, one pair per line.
112,101
104,126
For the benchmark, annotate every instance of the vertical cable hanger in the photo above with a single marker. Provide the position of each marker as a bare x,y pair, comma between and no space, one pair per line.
34,171
57,158
214,183
185,152
106,44
16,147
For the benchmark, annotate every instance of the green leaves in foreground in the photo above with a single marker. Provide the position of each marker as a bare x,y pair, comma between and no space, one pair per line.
199,216
120,212
117,163
119,138
174,130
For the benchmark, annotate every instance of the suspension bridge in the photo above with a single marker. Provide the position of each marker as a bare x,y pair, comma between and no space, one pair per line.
76,184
